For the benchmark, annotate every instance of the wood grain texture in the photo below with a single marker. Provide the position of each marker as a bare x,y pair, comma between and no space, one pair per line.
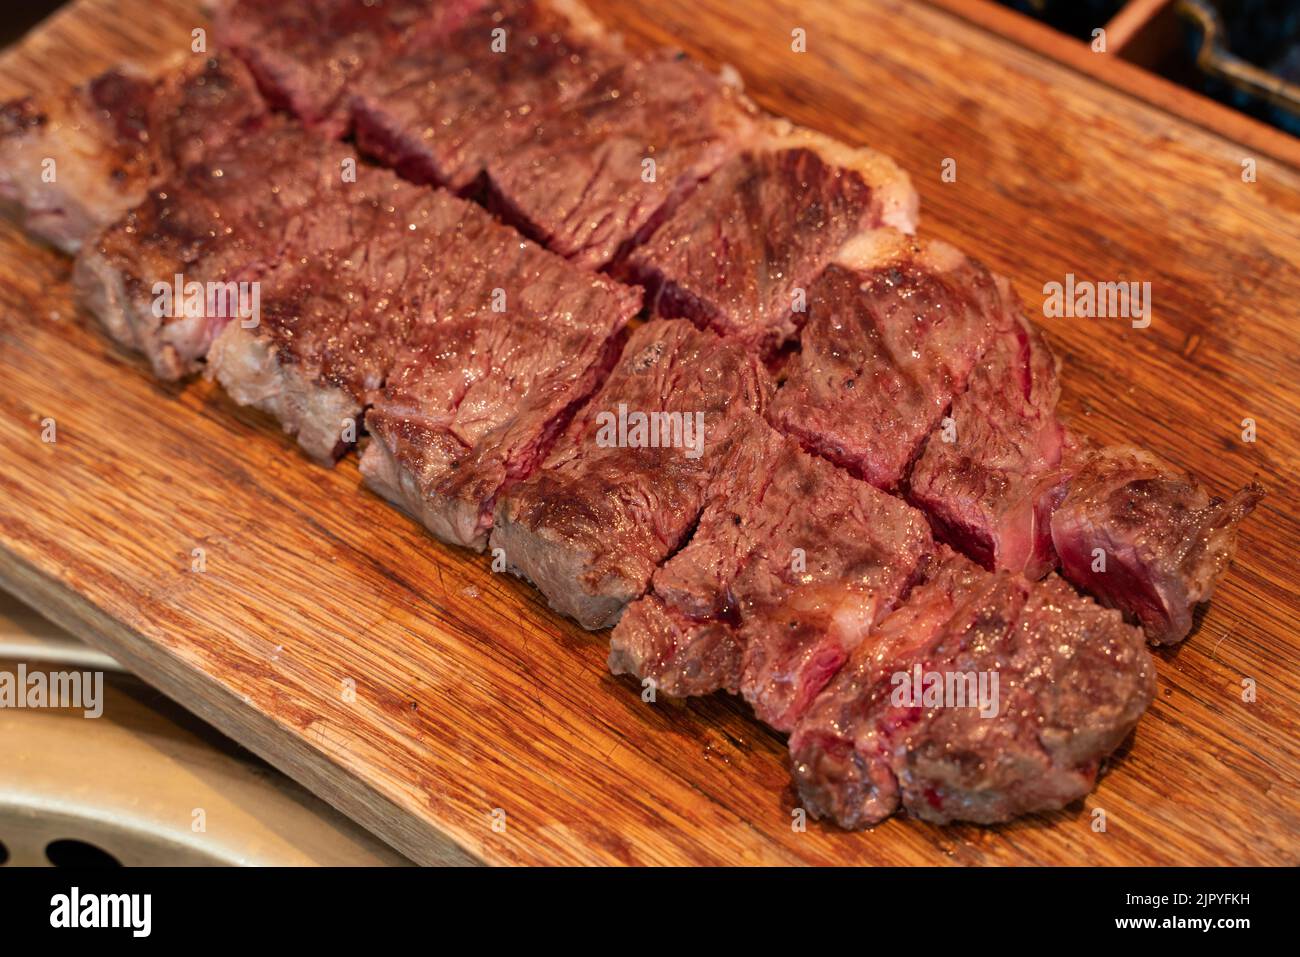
470,696
1119,67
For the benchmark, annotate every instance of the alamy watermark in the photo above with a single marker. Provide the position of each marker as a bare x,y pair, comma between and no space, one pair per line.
1082,299
946,689
133,912
651,430
54,689
213,300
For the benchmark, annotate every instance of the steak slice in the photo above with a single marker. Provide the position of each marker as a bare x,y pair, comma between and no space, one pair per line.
396,308
990,474
894,330
438,113
474,401
1146,538
307,55
740,253
333,322
897,727
110,139
226,219
598,175
625,483
792,561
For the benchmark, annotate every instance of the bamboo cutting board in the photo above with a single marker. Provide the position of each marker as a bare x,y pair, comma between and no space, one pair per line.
446,709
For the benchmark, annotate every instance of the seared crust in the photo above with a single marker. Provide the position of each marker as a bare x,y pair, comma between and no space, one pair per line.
1072,682
895,328
1145,537
114,137
740,253
590,526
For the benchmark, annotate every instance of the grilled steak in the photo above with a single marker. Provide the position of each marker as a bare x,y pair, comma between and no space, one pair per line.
759,600
110,139
224,220
739,254
472,342
989,477
439,112
626,482
1146,538
657,481
1072,681
602,171
307,55
475,399
332,321
893,333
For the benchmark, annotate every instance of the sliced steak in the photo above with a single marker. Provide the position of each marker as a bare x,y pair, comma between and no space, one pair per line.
439,113
627,480
907,724
599,174
397,305
307,55
894,330
990,477
792,562
475,400
1146,538
739,254
333,321
109,140
224,220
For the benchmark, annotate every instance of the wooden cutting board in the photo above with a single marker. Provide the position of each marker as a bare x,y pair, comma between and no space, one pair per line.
446,709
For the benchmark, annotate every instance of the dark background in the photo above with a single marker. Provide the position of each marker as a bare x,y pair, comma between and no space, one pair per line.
19,18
